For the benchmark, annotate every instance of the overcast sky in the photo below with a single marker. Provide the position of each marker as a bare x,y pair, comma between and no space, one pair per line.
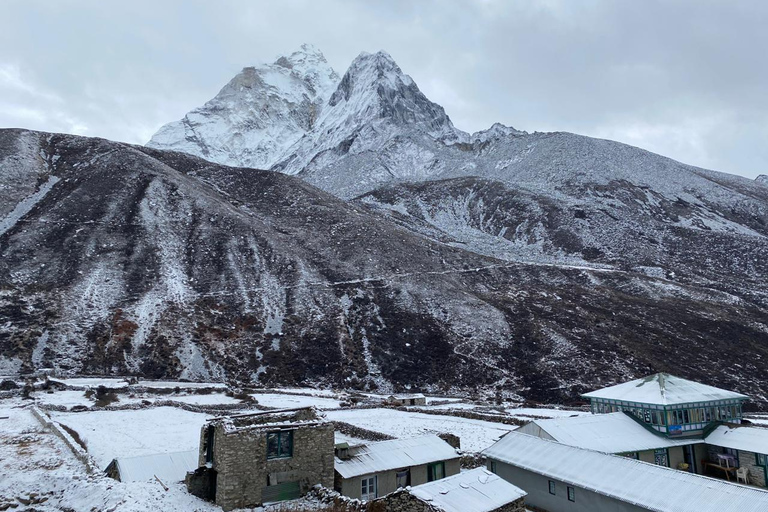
687,79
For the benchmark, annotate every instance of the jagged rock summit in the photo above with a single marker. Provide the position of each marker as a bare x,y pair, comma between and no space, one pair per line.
260,113
763,178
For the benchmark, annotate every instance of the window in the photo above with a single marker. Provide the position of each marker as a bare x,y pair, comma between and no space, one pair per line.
493,466
368,488
551,487
435,471
661,457
403,478
571,494
760,459
280,444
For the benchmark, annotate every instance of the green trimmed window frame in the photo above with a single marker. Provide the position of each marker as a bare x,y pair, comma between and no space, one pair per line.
280,444
435,471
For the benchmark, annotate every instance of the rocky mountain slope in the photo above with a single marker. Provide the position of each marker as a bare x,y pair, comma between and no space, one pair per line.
123,259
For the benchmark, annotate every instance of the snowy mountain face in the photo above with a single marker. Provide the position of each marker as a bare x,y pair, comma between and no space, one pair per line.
401,252
763,178
131,260
258,114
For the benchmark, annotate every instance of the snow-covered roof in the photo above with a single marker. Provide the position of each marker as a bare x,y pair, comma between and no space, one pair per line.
609,433
478,490
168,467
750,439
395,454
664,389
653,487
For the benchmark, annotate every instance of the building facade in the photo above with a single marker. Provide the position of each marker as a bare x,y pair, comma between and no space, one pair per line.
373,470
562,478
249,459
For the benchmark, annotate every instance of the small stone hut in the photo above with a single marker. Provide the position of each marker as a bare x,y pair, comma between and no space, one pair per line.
249,459
408,399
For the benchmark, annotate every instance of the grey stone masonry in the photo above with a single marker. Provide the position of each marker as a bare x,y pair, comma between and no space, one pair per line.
243,472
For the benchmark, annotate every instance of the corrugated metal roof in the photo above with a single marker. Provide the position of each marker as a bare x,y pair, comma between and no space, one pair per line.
749,439
169,467
398,453
663,389
609,433
477,490
646,485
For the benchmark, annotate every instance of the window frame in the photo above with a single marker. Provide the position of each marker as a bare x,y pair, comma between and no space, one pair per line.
431,470
571,494
280,435
366,482
552,488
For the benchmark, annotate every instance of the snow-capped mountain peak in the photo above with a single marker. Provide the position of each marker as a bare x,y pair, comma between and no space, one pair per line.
374,104
260,113
370,71
763,178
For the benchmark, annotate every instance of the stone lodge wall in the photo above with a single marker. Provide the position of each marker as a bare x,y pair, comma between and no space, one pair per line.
240,458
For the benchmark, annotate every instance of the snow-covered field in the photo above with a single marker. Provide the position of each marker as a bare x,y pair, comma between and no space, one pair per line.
287,401
121,383
110,434
475,435
70,398
36,465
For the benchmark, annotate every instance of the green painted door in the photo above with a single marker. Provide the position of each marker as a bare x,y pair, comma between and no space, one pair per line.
280,492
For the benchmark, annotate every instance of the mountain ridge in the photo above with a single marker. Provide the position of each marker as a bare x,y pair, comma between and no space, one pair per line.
156,263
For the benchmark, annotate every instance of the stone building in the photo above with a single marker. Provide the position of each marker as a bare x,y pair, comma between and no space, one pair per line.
408,399
249,459
372,470
477,490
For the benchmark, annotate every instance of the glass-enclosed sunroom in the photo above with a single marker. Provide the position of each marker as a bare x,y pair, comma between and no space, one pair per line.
670,405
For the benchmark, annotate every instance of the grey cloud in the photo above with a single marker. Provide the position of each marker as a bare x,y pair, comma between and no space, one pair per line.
685,78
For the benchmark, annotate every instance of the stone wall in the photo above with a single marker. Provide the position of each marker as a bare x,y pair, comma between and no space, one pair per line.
240,460
756,473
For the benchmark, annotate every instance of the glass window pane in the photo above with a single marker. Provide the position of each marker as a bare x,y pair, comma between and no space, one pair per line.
286,444
273,444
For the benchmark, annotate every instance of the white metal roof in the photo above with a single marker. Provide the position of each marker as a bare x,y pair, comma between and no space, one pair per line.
609,433
395,454
408,396
656,488
477,490
749,439
664,389
169,467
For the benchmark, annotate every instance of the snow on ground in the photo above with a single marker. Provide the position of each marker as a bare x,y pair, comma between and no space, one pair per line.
432,399
212,399
527,412
281,401
450,406
328,393
66,398
476,435
129,433
70,398
120,383
36,464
